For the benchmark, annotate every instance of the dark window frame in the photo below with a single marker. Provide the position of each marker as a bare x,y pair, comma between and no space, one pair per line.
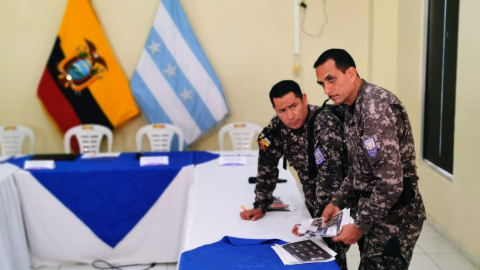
440,84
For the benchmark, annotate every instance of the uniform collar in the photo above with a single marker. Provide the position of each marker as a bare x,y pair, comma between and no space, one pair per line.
360,96
307,119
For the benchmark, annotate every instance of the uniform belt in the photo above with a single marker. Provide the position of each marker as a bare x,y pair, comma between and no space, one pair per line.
405,198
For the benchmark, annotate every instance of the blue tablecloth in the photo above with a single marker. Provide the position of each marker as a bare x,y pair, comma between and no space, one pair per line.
111,195
236,253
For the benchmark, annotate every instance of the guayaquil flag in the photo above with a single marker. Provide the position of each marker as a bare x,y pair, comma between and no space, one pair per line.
174,81
82,82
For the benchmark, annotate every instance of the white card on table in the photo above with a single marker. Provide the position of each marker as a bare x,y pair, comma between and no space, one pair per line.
153,161
39,164
100,155
232,161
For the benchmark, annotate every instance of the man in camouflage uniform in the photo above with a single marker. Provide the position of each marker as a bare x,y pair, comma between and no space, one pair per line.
382,171
286,136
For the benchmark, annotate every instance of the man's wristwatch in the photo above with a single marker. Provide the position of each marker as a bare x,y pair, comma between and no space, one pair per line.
335,203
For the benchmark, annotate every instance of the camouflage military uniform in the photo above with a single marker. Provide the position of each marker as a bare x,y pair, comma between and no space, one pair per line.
382,161
292,144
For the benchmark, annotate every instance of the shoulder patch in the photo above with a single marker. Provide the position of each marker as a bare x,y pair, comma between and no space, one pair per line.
263,141
370,146
319,156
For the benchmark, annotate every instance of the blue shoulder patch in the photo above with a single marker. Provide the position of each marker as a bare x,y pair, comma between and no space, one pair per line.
319,156
370,146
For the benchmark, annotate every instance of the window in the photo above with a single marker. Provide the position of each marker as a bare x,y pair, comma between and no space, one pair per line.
441,73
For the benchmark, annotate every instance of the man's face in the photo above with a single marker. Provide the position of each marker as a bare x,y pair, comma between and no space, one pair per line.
291,110
338,86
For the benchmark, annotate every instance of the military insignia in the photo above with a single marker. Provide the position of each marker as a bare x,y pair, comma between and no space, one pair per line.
87,127
370,146
10,128
239,125
319,157
263,142
82,68
158,126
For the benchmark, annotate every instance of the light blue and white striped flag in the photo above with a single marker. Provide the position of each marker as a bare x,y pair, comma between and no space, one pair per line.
174,81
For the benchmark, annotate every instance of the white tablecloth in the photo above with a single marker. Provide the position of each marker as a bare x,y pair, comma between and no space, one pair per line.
215,200
13,244
57,236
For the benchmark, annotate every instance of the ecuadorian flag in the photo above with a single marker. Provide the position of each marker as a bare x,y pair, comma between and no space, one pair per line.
82,82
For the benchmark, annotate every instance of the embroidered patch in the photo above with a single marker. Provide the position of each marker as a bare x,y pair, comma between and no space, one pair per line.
263,142
370,146
319,157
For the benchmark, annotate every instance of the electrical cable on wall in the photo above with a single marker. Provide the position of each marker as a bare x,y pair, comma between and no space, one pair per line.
304,6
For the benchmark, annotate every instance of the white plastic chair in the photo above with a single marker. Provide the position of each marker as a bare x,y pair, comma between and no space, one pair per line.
160,137
241,134
11,139
89,138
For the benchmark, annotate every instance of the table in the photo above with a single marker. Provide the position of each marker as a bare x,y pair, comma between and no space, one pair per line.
219,191
213,212
13,244
109,209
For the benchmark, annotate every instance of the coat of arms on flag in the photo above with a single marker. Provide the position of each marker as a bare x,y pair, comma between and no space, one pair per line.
174,82
82,82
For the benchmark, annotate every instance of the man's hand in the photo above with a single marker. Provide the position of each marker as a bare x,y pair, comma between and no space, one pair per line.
295,230
329,211
349,235
252,214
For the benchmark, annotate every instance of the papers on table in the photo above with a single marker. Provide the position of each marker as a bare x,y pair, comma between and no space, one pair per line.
305,251
39,164
100,155
317,227
281,204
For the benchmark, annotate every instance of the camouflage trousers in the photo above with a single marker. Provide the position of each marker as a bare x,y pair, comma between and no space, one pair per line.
341,249
390,242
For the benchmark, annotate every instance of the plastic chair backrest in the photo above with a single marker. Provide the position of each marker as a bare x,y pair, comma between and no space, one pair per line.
160,137
89,137
241,134
11,139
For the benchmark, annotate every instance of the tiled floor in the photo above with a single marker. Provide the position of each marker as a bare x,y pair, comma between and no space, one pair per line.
432,252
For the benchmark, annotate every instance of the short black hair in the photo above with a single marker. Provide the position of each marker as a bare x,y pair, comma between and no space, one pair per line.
342,59
284,87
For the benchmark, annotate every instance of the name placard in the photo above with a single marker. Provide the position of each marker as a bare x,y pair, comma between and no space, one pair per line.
101,155
39,165
232,161
154,161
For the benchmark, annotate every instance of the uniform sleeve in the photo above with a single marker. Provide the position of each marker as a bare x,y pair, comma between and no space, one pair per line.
329,155
344,196
270,152
382,152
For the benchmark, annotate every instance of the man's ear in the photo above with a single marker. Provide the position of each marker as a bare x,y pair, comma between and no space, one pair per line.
304,98
351,73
